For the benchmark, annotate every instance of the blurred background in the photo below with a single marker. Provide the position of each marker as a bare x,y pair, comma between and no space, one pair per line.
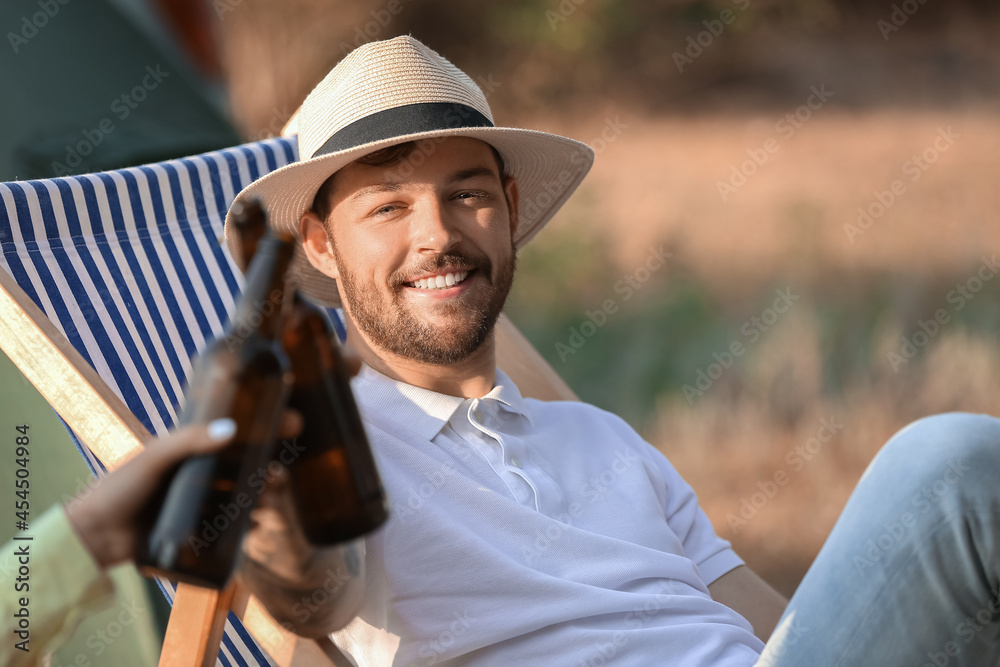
785,252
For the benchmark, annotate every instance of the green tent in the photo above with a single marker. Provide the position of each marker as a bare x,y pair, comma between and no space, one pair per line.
97,84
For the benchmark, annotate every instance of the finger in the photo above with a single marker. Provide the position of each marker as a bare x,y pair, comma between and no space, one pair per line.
275,493
352,362
191,440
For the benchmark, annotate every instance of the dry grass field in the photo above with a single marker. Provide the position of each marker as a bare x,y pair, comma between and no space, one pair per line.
659,180
787,227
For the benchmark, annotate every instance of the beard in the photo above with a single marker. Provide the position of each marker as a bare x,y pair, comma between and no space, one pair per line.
396,328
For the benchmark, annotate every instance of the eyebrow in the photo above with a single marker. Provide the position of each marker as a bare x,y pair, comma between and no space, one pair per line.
464,174
472,172
375,189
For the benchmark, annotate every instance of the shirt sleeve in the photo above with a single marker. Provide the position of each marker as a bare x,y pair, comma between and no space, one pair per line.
713,555
48,583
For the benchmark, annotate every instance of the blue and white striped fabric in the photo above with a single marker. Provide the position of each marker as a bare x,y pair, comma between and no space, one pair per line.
131,267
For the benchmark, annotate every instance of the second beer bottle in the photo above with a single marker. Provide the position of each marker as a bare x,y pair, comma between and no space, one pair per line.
335,484
245,375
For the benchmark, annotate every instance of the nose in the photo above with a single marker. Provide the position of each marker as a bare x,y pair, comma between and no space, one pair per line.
432,230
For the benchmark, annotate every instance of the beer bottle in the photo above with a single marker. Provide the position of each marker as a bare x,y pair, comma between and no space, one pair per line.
250,223
243,375
336,489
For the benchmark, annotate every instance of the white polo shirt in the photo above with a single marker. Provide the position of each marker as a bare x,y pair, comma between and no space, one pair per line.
526,532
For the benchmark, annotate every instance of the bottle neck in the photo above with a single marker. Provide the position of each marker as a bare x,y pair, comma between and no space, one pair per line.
261,306
249,220
250,233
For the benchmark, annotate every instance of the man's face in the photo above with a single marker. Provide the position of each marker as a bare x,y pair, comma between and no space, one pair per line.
425,262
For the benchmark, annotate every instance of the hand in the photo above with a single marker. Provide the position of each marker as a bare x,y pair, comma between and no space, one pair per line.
312,591
276,540
352,362
106,516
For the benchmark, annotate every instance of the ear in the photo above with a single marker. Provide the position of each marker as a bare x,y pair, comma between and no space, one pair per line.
513,199
316,244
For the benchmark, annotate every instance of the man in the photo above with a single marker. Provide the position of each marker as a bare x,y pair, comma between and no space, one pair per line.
502,548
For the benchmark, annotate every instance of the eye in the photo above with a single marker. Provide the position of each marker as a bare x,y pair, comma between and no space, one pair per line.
473,195
384,210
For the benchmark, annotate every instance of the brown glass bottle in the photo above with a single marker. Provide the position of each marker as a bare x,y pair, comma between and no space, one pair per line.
335,484
243,375
250,222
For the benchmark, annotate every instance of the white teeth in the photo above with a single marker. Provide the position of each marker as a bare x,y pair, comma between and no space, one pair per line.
438,282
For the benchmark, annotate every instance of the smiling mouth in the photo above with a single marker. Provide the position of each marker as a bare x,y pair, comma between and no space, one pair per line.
442,281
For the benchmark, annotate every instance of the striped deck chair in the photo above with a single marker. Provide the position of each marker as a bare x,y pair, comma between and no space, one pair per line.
111,282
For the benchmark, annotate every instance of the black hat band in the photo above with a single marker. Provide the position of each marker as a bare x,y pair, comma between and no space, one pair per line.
403,121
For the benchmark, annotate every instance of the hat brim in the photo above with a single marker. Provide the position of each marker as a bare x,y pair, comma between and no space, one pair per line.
548,168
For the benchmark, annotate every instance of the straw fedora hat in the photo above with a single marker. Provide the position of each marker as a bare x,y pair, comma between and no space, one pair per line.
389,92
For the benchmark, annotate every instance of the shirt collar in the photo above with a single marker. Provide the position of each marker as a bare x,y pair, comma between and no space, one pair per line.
507,393
424,411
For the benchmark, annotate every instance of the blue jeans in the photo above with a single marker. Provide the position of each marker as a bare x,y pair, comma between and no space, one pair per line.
910,575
